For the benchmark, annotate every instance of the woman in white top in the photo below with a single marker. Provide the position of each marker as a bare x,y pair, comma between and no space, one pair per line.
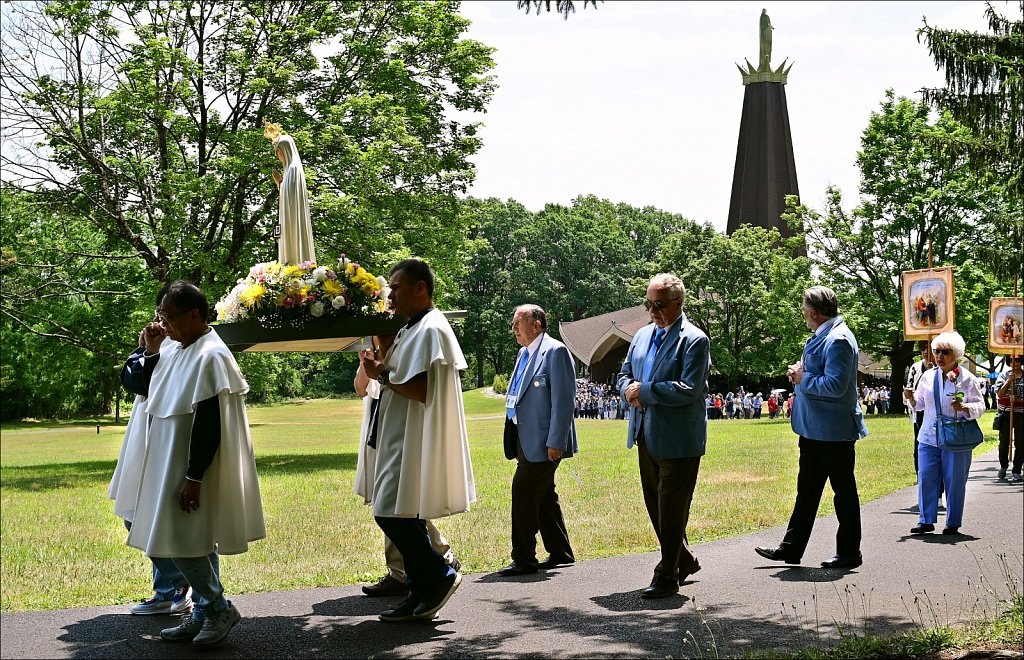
937,466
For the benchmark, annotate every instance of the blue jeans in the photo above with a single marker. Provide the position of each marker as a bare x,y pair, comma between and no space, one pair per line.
424,566
166,577
938,468
203,575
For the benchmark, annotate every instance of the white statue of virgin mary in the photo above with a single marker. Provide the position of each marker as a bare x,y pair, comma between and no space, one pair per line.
295,240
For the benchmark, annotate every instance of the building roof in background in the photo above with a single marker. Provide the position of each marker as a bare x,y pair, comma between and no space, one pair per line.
590,339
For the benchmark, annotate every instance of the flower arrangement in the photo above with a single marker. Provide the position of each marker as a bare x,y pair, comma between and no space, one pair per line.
304,290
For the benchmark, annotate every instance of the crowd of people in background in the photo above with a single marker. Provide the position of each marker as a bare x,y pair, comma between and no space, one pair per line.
602,401
598,401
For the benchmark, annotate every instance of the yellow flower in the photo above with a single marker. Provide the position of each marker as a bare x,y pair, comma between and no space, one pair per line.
332,288
291,271
253,295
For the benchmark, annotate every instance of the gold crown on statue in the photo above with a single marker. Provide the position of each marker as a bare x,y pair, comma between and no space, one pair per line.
271,131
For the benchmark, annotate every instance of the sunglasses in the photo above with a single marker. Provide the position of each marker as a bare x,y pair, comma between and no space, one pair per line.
658,304
942,351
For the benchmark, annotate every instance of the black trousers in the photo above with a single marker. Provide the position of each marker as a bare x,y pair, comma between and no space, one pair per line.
1018,441
536,508
822,461
668,486
424,566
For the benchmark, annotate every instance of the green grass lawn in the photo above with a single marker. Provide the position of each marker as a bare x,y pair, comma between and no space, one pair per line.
63,547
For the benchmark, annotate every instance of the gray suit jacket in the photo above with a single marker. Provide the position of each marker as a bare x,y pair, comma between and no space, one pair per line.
674,420
544,410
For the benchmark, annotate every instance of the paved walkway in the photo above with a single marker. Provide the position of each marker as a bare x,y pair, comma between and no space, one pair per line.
737,603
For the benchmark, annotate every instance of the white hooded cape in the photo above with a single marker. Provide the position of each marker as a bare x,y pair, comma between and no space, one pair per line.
423,467
230,512
366,460
124,485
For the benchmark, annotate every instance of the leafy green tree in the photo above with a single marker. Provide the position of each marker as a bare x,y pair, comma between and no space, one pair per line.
489,283
143,121
915,198
59,291
563,7
985,92
151,125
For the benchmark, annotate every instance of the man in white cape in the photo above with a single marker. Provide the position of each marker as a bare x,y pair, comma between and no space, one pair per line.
423,468
199,493
394,581
170,589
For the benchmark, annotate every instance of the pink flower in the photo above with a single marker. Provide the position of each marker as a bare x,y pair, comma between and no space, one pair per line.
312,298
953,374
287,302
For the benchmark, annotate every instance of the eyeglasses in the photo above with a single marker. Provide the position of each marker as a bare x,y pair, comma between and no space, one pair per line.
658,304
162,317
942,351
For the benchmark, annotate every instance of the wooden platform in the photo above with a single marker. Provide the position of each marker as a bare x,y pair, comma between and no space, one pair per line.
310,334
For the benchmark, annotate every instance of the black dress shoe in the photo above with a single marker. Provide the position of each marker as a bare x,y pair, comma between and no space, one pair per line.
923,528
386,586
776,554
514,569
849,561
660,588
553,562
951,531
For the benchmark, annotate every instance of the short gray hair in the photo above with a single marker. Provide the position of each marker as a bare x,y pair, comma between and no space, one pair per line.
823,300
951,340
535,313
672,283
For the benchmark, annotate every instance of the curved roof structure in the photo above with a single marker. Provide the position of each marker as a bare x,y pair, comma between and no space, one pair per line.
591,339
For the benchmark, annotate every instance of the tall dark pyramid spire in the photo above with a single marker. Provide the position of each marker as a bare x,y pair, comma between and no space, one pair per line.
765,169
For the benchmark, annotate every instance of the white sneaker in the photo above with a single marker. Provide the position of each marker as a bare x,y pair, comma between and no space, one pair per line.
217,626
186,630
181,601
152,606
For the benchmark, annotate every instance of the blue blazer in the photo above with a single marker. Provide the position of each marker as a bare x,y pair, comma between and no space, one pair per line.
675,420
826,406
544,410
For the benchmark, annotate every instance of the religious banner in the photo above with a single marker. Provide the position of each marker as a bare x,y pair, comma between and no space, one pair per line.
1005,318
928,306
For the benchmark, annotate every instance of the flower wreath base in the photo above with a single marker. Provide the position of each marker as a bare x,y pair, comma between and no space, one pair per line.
305,334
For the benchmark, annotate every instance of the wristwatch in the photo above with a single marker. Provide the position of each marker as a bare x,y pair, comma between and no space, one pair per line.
384,377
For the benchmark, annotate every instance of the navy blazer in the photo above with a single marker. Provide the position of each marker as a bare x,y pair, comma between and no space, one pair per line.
674,419
544,409
826,406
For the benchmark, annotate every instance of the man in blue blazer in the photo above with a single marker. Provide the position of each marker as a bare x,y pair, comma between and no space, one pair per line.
665,381
539,424
828,419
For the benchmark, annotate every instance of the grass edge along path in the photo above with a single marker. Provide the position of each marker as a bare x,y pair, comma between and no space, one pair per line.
63,547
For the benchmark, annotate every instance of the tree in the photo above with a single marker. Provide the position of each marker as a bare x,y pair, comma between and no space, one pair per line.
563,7
150,124
489,285
985,92
143,122
915,196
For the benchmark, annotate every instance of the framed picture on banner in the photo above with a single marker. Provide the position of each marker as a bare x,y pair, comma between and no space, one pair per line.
1005,320
928,305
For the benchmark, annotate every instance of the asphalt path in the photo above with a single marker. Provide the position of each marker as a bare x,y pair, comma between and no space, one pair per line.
736,604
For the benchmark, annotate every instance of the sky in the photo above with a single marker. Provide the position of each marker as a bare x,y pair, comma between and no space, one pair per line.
640,102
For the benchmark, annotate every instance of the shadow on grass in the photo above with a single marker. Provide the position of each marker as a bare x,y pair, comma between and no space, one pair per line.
56,476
